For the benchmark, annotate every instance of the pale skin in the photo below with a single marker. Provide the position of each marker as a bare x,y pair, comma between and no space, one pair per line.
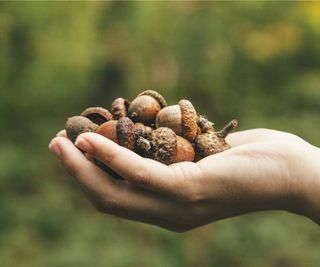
263,170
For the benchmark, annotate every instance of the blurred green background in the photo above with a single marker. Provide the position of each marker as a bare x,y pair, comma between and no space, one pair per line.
256,61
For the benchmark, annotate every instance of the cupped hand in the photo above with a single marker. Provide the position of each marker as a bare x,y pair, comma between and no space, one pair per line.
264,169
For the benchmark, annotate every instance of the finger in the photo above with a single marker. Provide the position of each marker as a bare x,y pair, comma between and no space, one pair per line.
86,173
62,133
110,196
246,137
128,164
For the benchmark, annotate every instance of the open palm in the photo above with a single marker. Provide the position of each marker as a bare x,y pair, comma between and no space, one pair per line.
264,169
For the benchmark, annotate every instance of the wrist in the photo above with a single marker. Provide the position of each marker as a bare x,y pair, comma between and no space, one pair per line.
307,202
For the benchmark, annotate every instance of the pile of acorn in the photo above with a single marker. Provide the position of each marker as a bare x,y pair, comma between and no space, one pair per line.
149,127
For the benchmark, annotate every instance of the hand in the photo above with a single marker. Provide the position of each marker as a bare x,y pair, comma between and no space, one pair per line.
264,169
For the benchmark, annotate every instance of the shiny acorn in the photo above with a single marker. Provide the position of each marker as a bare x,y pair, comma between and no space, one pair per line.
145,107
120,131
181,118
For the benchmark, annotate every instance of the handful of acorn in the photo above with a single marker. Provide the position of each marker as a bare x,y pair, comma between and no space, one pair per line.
149,127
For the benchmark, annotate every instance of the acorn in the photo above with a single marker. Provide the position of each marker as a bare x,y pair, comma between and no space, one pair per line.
204,125
119,108
166,147
77,125
145,107
120,131
143,130
181,118
212,142
98,115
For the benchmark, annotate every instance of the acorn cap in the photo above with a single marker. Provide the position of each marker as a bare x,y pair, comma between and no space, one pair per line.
119,108
207,144
204,125
126,133
189,119
97,115
143,146
142,130
163,145
77,125
156,96
210,143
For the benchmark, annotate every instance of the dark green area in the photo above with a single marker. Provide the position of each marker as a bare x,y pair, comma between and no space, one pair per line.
256,61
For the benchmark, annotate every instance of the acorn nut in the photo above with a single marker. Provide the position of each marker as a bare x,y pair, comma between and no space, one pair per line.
166,147
181,118
119,108
77,125
121,132
97,115
145,107
142,130
211,142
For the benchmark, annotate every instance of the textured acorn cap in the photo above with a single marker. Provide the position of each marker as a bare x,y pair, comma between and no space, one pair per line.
204,125
207,144
156,96
163,145
142,130
77,125
97,115
189,119
126,133
119,108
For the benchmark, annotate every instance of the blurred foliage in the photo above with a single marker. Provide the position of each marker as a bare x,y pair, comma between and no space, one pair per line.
256,61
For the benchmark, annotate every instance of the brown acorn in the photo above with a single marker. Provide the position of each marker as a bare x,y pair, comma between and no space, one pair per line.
142,130
119,108
166,147
121,132
181,118
145,107
98,115
211,142
77,125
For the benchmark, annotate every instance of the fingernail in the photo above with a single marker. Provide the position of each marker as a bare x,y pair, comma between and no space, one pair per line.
83,144
55,149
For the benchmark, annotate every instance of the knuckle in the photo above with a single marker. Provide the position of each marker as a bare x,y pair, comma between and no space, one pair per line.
105,156
106,206
140,175
190,194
